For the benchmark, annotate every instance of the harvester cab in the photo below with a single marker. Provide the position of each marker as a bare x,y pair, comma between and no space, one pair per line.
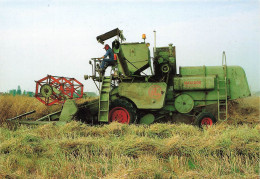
96,62
131,59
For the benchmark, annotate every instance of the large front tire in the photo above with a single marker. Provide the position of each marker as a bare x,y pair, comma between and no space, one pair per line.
122,111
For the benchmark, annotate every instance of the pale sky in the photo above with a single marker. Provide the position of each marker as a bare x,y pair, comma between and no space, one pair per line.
40,37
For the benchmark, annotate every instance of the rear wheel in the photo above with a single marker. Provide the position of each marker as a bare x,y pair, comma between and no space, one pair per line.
122,111
205,119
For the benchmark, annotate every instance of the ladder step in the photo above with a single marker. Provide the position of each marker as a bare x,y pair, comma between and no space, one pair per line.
222,96
222,101
104,99
105,87
104,91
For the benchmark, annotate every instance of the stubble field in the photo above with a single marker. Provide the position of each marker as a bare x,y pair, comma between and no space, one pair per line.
228,149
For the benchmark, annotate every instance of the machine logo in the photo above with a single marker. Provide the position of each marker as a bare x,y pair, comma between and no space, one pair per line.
190,84
155,92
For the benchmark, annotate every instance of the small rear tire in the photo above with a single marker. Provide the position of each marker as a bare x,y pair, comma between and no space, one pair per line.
122,111
205,119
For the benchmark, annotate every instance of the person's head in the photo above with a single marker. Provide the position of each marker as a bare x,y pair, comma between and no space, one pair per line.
106,47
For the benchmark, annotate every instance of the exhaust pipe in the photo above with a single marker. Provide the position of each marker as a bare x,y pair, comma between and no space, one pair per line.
154,48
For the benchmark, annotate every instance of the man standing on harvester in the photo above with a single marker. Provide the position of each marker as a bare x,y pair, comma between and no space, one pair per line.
107,61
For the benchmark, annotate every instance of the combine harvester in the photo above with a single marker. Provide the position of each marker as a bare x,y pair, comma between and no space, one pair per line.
129,95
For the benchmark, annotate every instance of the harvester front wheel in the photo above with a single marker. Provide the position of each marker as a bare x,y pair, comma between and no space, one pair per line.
122,111
205,119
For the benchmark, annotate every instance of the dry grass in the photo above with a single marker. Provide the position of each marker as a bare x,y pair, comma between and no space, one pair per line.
12,106
226,150
121,151
245,110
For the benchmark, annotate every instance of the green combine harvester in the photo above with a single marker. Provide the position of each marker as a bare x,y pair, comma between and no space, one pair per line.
144,89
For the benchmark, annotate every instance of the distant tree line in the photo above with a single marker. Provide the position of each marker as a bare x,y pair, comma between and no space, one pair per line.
18,91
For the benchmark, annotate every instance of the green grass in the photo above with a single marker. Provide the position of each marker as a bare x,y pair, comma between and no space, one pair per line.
121,151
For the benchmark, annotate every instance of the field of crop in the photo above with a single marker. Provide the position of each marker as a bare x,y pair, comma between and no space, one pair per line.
228,149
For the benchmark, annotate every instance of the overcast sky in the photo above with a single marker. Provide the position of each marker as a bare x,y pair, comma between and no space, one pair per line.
40,37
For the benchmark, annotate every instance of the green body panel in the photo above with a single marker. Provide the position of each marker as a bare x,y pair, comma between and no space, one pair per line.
237,86
236,79
137,55
144,95
237,82
200,83
69,110
114,94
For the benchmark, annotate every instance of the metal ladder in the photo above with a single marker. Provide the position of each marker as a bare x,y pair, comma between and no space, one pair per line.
104,99
222,92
